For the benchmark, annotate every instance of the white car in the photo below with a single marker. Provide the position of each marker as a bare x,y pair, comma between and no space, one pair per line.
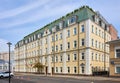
5,74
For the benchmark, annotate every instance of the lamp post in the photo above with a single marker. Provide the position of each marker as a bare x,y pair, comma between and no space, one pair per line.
9,58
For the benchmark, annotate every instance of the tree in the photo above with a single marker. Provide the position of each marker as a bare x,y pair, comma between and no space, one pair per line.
39,67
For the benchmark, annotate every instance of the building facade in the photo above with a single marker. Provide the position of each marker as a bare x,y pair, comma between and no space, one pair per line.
4,61
113,32
3,65
73,44
115,58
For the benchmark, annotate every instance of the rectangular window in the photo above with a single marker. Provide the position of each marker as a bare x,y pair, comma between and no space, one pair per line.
68,57
68,33
75,56
52,38
75,70
82,28
118,69
56,69
52,48
60,69
61,24
46,50
92,29
60,35
56,48
75,44
61,58
68,45
68,69
75,31
99,32
83,69
83,42
92,42
83,56
96,57
52,58
60,46
117,53
72,20
96,30
56,37
56,58
92,56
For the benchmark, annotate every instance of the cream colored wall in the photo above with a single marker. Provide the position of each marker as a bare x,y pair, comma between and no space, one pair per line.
70,39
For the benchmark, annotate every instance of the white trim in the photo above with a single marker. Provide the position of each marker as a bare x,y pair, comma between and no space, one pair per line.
116,47
88,51
115,67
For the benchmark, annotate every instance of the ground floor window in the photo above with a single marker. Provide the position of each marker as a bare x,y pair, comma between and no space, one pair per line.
83,69
75,70
56,69
61,69
117,69
68,69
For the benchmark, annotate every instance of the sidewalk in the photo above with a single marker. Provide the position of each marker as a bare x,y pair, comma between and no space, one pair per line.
76,77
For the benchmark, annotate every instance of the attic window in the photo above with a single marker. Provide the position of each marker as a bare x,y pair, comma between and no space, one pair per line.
72,20
46,32
100,23
60,24
93,17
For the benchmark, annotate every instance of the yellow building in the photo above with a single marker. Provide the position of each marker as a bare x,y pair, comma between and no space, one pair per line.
73,44
115,58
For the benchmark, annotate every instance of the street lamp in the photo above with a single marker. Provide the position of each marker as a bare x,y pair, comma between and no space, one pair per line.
9,58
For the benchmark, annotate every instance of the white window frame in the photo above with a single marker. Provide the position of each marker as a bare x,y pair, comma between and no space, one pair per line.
75,43
116,69
74,31
115,50
68,33
82,28
75,54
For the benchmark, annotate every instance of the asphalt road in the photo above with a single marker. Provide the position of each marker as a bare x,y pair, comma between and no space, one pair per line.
46,79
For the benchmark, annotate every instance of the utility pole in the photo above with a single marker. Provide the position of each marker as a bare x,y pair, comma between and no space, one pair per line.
9,59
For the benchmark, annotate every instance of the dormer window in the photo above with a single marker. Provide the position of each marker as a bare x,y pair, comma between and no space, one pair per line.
26,41
100,23
72,20
54,29
93,18
46,32
61,25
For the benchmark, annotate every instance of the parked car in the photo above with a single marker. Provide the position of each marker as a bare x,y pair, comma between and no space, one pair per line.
6,74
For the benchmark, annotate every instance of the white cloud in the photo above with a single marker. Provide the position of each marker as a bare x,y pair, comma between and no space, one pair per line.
45,12
22,9
4,46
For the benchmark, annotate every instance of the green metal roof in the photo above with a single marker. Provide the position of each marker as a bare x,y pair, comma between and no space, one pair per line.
82,13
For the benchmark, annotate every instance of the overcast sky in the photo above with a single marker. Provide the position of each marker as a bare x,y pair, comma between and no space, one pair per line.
19,18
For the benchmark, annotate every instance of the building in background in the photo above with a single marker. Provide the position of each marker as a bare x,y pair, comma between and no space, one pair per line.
115,58
3,65
4,61
113,32
72,44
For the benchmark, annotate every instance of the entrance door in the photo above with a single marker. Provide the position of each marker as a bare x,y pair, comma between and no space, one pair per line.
46,69
52,70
